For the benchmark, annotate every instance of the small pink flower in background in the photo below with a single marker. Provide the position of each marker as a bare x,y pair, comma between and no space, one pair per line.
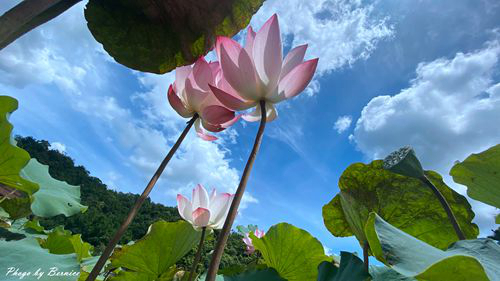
204,210
248,241
190,95
258,71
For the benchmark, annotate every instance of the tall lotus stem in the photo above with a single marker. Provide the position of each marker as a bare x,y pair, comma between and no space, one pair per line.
198,255
446,207
233,210
133,212
366,247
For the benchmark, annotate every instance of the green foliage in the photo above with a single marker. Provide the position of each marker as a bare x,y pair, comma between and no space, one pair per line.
158,37
153,255
293,252
107,208
351,269
481,174
384,273
15,191
403,201
267,274
464,260
54,197
61,241
28,256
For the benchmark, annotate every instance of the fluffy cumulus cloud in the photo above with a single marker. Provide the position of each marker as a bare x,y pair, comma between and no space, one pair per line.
343,123
60,53
339,32
450,110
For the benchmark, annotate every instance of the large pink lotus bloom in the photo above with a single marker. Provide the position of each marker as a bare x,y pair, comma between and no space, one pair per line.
190,95
258,71
204,210
248,241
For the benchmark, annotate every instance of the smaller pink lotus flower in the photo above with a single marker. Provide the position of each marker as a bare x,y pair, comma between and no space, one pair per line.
190,95
204,210
248,241
258,72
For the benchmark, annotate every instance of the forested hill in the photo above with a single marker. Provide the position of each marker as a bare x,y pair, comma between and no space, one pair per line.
107,208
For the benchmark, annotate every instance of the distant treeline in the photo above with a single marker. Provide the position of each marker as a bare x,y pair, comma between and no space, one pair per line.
107,208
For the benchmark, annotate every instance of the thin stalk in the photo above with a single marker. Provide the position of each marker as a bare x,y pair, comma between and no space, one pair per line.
446,207
365,256
233,210
28,15
6,196
197,258
133,212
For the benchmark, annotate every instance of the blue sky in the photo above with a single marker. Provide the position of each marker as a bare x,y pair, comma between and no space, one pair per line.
391,73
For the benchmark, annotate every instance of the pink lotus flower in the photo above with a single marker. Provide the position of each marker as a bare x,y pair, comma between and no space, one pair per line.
258,71
248,241
205,211
190,95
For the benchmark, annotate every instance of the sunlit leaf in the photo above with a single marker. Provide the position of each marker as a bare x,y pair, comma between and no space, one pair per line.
481,174
384,273
54,197
61,241
12,158
351,269
158,36
153,255
404,202
28,256
465,260
334,218
293,252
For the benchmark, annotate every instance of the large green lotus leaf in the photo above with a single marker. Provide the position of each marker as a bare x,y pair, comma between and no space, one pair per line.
465,260
481,174
61,241
334,218
12,158
293,252
28,256
158,36
404,202
54,197
351,269
153,255
384,273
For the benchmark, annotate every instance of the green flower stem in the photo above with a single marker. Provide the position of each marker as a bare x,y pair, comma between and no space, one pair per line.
446,207
197,258
133,212
366,247
233,210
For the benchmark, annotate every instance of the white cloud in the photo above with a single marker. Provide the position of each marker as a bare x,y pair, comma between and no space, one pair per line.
450,110
339,32
61,52
58,146
343,123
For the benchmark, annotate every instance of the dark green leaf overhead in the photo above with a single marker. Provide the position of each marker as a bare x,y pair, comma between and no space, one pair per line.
158,36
